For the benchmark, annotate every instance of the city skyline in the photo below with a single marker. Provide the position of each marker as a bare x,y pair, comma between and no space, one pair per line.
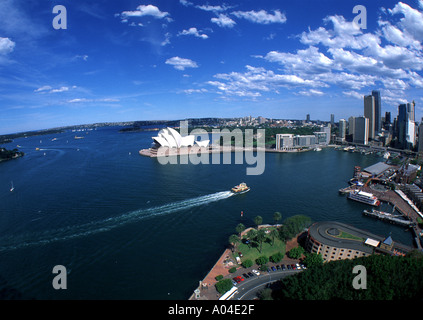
154,60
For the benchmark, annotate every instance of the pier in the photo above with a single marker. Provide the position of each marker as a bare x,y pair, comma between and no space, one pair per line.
388,217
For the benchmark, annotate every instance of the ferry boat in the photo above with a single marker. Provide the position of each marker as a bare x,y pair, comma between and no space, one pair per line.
364,197
241,188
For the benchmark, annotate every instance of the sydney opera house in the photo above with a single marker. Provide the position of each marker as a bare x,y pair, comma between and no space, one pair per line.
170,138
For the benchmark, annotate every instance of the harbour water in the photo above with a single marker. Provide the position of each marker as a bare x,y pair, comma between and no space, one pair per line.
127,227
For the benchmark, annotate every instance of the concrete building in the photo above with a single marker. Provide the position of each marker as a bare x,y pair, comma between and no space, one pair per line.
420,135
361,132
336,241
406,125
378,111
284,142
342,129
370,113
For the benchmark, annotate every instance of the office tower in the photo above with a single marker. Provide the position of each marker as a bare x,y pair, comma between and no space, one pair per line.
406,125
308,118
387,117
420,149
361,130
342,129
369,113
378,111
351,125
332,119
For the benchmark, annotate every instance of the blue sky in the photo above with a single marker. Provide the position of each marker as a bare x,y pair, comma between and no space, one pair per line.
175,59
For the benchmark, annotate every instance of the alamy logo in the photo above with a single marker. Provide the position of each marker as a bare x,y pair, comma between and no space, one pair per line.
360,280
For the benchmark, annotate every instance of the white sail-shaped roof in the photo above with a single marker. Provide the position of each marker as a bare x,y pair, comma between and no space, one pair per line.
169,137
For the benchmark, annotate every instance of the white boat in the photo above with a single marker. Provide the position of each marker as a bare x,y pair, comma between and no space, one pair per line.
317,149
12,188
364,197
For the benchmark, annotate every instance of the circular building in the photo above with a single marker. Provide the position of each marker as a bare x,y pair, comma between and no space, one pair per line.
336,241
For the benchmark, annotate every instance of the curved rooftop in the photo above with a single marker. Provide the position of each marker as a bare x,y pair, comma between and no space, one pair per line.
340,235
169,137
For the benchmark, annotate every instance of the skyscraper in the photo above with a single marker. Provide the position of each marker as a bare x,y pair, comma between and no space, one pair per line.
361,132
342,128
378,111
406,125
369,113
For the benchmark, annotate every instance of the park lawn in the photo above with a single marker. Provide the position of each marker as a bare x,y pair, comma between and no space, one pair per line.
253,253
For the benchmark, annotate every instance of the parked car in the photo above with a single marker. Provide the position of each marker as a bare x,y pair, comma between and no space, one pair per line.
251,274
289,267
298,266
273,269
246,276
238,279
255,272
278,267
293,267
283,267
303,266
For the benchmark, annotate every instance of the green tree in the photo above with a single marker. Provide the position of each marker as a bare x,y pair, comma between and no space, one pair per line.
277,216
233,241
258,220
265,294
313,259
224,285
276,257
273,234
262,260
261,236
247,263
295,253
239,228
251,234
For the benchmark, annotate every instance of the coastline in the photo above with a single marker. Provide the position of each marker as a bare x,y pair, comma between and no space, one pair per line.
165,152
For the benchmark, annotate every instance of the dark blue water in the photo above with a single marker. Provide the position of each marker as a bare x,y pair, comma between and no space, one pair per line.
127,227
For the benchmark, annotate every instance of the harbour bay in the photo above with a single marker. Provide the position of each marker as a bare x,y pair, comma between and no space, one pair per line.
127,227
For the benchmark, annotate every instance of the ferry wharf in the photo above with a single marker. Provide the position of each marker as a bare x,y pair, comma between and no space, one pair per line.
402,206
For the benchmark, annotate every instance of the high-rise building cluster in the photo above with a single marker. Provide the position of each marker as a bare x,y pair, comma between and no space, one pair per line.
371,128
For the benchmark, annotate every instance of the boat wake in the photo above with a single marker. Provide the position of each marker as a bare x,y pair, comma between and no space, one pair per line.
94,227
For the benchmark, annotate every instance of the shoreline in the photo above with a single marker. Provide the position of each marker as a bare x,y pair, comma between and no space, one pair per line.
166,152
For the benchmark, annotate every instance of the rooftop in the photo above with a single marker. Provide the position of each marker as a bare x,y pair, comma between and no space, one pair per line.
377,168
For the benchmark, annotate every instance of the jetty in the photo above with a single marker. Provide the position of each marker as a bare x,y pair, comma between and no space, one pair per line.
388,217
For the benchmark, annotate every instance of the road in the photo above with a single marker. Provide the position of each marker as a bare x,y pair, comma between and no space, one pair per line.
247,289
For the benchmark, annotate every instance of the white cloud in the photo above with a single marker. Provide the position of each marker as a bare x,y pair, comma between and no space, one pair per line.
412,22
354,94
50,89
193,32
223,21
6,46
308,61
43,88
311,92
256,80
145,10
261,16
181,63
191,91
214,9
81,100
